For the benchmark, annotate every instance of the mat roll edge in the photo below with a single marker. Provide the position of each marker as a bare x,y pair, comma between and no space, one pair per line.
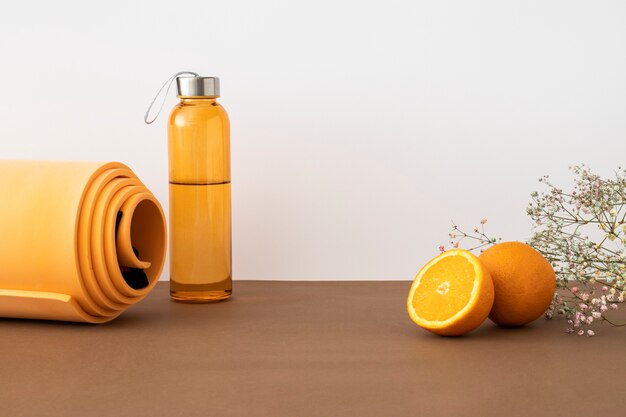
79,241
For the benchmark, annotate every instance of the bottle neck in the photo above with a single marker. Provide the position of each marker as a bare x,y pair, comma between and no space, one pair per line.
198,100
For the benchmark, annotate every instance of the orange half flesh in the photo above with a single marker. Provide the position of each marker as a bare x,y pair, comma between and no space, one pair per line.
452,294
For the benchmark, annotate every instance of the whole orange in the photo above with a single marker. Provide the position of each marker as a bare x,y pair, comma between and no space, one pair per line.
523,281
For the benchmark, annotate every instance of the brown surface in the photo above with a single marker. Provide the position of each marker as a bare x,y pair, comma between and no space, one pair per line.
303,349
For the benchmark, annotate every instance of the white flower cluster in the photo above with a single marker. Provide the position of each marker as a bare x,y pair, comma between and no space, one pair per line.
583,234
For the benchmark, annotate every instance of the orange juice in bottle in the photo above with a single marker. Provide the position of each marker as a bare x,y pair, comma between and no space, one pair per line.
199,186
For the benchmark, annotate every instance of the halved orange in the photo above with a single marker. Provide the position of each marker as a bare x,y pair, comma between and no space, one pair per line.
452,294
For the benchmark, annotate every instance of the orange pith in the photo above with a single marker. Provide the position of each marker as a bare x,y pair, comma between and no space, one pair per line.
452,294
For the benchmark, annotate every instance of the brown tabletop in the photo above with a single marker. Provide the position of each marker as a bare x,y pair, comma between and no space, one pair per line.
303,349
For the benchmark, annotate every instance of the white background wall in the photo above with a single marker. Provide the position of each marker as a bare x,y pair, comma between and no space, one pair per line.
359,128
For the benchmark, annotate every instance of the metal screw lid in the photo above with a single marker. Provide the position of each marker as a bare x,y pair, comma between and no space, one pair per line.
198,87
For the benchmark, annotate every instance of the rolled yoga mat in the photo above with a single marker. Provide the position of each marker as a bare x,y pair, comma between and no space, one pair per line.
79,241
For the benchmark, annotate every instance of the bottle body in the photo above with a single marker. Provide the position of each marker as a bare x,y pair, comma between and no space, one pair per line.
200,201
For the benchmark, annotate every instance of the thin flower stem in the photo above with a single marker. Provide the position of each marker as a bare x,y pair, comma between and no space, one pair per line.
613,324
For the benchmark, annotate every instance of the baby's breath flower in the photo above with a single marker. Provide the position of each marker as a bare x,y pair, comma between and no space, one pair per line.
478,238
582,233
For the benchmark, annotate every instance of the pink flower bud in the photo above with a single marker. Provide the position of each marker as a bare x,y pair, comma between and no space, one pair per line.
483,220
441,248
574,290
605,288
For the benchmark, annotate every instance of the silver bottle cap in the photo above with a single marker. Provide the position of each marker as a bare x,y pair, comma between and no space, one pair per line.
198,86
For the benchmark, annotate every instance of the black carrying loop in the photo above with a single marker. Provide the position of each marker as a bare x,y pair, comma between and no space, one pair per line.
167,84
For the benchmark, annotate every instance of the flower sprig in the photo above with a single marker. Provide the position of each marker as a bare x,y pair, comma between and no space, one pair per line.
477,237
583,234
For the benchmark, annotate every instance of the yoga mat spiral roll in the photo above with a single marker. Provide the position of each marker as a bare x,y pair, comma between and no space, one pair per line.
79,241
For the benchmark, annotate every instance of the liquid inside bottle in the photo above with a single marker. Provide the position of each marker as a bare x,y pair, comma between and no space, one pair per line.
200,235
200,201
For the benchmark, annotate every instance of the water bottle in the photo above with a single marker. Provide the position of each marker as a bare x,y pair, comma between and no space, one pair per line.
199,189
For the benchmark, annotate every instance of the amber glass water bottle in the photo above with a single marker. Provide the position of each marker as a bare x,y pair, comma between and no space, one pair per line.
199,176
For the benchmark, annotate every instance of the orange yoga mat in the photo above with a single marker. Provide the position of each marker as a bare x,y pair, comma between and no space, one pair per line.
79,241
